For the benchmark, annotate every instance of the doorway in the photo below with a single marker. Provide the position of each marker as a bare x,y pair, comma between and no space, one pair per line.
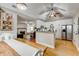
67,32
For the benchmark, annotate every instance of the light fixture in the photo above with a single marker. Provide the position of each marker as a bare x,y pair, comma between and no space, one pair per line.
54,14
51,14
21,6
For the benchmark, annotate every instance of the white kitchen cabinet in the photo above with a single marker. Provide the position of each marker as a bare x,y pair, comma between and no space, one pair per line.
46,38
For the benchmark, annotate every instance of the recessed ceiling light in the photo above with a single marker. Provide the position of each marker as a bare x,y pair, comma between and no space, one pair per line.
21,6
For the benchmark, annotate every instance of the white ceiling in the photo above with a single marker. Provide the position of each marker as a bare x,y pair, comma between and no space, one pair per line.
34,9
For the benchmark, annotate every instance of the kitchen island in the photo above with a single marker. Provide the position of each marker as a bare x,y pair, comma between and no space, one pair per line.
46,38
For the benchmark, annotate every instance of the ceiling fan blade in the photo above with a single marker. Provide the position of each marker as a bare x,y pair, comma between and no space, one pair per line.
60,8
42,12
14,6
50,6
60,14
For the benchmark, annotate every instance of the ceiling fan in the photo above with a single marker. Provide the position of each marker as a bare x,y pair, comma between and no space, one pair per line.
52,11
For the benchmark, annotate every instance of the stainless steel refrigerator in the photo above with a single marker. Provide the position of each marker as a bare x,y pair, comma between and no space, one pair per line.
67,32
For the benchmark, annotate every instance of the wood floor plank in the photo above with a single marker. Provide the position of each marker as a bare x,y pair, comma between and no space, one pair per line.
6,50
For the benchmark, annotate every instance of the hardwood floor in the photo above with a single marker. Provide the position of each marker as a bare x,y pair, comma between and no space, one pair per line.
6,50
63,48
